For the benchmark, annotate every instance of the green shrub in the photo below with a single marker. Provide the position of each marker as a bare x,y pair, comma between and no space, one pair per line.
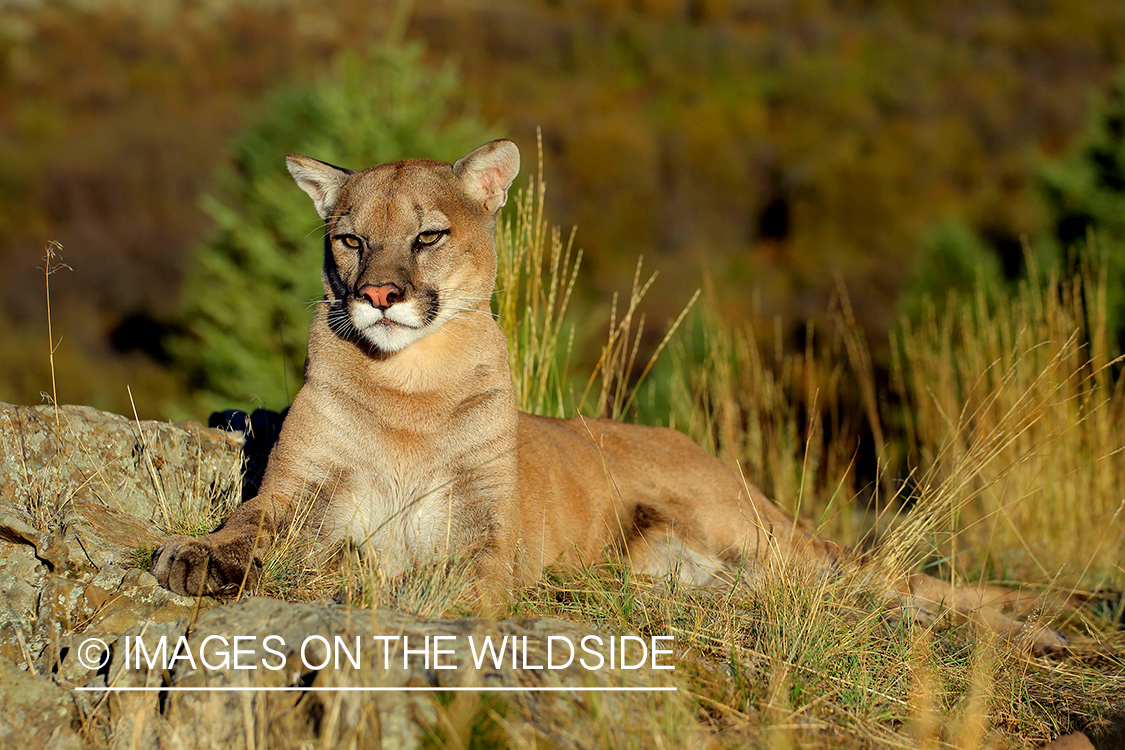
1085,193
953,258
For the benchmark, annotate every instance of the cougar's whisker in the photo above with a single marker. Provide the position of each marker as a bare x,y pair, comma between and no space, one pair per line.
472,310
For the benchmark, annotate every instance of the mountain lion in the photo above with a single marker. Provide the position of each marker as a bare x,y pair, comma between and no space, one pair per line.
405,438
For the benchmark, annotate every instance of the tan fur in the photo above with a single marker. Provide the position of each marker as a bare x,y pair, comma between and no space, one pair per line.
408,442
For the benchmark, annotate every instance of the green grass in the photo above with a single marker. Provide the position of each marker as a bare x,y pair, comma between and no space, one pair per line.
468,721
141,557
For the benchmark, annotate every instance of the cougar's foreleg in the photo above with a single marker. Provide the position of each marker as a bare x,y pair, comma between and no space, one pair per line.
223,561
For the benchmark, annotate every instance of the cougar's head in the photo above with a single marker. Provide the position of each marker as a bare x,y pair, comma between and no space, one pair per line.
408,245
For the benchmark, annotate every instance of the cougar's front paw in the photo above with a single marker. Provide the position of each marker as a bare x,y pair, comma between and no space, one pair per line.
209,565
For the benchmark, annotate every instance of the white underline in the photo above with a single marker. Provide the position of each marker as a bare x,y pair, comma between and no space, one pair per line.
291,689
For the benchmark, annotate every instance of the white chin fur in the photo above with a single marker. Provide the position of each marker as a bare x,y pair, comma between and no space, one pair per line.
406,327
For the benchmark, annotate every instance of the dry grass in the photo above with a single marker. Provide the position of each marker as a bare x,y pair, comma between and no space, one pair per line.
184,502
44,505
537,273
1034,370
197,508
811,663
782,416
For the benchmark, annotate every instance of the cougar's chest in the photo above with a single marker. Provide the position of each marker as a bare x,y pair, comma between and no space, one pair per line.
412,460
398,498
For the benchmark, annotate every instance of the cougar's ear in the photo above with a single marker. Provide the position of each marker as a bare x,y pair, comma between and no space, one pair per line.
321,181
487,172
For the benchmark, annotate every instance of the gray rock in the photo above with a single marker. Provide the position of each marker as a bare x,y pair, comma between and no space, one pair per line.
38,713
22,576
107,479
73,517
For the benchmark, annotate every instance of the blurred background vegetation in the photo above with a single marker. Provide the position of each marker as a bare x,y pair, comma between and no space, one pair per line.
777,150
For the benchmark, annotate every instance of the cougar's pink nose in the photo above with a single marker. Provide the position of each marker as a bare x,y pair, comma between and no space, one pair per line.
381,296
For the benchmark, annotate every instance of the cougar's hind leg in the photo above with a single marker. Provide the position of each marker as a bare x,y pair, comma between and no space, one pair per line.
1016,603
680,508
753,533
660,553
722,530
711,542
1001,610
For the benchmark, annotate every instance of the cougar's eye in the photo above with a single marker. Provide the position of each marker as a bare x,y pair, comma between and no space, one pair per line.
351,241
430,238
